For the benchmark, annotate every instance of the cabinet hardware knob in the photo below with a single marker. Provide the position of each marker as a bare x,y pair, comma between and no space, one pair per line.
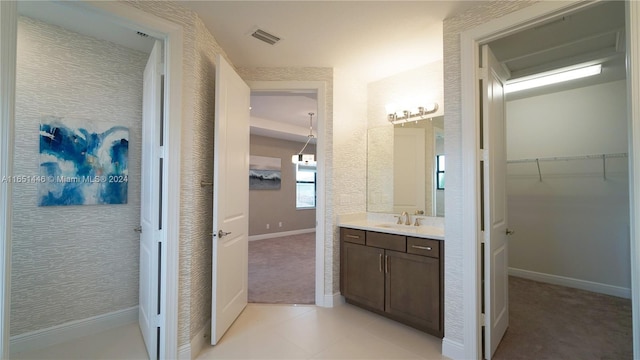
428,248
386,263
509,231
353,236
380,269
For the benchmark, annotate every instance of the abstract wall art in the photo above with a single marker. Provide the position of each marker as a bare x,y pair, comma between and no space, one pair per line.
82,162
264,173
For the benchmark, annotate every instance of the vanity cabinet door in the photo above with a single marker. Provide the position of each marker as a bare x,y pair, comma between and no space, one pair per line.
413,289
362,275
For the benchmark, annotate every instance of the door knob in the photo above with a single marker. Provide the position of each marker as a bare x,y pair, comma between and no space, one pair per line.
221,234
138,229
509,231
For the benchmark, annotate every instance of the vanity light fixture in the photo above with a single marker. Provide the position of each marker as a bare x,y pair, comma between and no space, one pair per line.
551,77
306,159
402,116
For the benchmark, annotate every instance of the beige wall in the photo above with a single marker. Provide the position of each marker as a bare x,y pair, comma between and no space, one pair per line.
275,206
72,262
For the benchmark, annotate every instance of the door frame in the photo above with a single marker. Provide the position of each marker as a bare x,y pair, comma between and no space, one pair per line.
470,41
172,35
320,87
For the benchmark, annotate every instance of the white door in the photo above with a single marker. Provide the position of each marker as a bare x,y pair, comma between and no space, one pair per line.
230,199
148,309
409,170
496,289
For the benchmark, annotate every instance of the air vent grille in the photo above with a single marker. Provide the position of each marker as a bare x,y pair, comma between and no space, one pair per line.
265,36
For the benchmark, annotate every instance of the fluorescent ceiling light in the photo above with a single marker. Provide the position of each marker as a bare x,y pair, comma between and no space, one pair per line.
555,77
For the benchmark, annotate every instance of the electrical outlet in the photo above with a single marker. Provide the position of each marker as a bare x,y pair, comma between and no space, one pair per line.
280,224
267,226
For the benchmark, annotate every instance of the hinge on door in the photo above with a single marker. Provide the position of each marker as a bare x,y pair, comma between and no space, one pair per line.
481,73
484,155
161,152
482,318
158,321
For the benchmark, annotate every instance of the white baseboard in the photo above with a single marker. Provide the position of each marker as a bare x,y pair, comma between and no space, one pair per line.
571,282
452,349
58,334
281,234
332,300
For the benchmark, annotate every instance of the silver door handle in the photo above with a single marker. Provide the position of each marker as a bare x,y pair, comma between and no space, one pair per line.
509,232
221,234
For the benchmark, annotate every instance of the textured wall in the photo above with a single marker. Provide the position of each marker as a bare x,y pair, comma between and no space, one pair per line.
274,206
454,313
349,179
73,262
196,209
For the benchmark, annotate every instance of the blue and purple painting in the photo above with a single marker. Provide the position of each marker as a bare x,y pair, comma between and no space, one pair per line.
82,162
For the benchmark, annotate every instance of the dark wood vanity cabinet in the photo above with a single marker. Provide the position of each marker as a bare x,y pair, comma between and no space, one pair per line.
396,276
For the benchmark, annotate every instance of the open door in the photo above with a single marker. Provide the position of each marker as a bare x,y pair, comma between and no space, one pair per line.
230,199
494,194
150,242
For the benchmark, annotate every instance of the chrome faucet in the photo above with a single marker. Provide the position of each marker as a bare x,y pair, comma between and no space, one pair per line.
407,219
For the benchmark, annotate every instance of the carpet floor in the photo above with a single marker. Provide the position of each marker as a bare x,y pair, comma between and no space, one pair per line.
282,270
556,322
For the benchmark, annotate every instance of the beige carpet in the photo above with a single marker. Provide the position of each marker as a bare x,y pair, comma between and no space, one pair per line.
282,270
557,322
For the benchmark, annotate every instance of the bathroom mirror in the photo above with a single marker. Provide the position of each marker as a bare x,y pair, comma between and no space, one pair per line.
402,169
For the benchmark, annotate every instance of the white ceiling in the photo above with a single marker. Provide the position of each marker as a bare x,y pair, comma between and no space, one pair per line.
369,39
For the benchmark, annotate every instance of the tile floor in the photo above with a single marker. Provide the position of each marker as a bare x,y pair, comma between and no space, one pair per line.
275,332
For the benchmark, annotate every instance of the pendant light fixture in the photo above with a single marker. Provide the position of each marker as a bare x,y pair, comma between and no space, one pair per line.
306,159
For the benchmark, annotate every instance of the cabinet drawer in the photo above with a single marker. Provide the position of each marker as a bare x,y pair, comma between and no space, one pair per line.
387,241
424,247
353,235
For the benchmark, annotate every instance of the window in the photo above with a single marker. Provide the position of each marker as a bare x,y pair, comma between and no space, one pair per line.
305,187
440,172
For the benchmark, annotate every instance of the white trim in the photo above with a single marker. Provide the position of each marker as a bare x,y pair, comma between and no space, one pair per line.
321,118
172,34
333,300
453,349
633,100
281,234
8,41
471,237
601,288
202,338
72,330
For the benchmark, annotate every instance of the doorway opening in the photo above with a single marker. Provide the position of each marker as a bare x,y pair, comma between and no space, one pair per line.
547,17
281,123
81,103
567,188
282,212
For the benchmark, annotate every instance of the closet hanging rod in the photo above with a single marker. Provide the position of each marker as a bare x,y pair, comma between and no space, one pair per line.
565,158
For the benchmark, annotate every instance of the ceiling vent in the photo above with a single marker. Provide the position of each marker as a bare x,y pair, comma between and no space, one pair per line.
265,36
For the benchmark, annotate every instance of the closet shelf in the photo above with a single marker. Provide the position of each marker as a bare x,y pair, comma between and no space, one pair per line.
602,157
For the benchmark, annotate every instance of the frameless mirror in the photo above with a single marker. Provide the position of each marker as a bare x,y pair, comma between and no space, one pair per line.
405,168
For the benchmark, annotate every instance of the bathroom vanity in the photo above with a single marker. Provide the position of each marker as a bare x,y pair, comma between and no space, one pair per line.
394,270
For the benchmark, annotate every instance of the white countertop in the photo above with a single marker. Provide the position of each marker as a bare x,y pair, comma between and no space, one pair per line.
433,228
